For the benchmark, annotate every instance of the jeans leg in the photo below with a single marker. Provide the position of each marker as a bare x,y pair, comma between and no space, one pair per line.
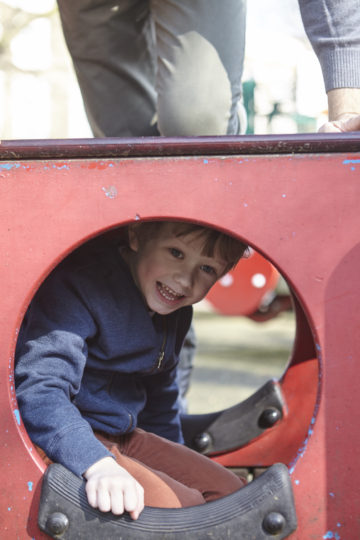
112,48
200,53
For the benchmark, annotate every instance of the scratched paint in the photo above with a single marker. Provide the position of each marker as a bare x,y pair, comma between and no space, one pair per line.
110,192
17,416
301,451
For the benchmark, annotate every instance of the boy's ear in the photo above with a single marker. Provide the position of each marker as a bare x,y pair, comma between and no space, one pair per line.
133,237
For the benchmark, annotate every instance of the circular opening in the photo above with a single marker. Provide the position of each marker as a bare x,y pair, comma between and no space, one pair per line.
237,353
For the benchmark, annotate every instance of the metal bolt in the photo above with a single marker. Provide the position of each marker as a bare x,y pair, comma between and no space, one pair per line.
274,523
269,417
57,523
202,441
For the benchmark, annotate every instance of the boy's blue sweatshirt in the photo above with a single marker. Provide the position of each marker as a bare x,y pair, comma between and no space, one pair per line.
89,358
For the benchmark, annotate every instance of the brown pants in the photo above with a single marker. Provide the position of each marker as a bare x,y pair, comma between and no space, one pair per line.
172,475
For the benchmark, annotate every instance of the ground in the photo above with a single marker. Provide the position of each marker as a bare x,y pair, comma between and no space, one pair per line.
235,356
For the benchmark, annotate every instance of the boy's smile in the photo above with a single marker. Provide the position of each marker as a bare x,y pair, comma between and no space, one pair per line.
170,270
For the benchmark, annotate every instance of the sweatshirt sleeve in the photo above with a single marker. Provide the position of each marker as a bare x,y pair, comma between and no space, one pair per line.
333,28
50,359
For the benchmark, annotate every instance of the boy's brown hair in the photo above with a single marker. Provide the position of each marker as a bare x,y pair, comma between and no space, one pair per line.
228,248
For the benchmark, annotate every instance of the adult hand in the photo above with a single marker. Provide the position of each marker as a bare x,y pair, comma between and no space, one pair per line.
344,110
347,122
110,487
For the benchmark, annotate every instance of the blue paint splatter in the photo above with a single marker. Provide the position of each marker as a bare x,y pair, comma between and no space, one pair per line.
332,494
350,161
30,486
330,534
59,167
297,482
17,416
206,161
9,166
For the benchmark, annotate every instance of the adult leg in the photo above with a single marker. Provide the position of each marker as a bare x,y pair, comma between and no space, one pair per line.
200,52
112,48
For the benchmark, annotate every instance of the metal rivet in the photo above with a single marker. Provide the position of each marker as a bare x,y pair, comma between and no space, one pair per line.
57,523
269,417
274,523
202,441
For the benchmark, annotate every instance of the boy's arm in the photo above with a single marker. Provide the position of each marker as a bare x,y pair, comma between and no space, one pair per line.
50,360
49,366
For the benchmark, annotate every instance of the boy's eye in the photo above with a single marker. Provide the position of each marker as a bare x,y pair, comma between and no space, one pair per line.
208,269
176,253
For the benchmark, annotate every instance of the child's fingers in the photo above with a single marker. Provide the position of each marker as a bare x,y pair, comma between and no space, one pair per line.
117,502
103,500
134,500
91,493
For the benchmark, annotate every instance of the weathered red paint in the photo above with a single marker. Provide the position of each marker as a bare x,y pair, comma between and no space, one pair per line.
302,212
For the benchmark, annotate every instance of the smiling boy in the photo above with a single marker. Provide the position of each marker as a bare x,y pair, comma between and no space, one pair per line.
96,366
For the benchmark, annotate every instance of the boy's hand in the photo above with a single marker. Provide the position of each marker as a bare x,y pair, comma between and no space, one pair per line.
110,487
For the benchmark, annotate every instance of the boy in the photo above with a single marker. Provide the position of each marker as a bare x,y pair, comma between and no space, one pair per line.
96,366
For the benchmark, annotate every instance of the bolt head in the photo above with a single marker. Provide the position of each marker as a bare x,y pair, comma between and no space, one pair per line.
269,417
202,442
274,523
57,523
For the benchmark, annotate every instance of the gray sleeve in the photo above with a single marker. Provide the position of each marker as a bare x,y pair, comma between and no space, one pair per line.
333,28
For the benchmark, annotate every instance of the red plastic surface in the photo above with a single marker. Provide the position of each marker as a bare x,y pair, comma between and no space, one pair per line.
242,290
300,210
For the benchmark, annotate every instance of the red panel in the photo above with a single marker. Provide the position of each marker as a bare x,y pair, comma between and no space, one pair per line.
300,210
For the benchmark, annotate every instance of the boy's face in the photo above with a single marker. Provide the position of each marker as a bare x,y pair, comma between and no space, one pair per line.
170,271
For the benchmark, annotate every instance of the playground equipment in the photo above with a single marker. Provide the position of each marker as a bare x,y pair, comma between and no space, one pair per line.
295,200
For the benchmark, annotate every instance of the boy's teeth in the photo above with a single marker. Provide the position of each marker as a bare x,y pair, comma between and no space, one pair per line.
168,293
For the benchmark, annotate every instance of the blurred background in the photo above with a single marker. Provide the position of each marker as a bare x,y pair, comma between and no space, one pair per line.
39,97
283,93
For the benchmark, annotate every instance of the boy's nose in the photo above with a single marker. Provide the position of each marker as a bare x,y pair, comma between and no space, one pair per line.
185,280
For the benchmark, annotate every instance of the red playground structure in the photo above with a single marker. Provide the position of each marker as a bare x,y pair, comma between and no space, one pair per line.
295,200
